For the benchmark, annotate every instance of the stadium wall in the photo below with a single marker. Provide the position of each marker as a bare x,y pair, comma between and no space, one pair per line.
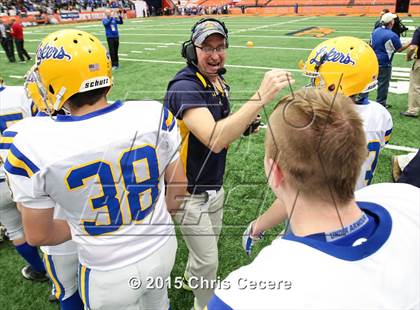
373,10
310,7
63,18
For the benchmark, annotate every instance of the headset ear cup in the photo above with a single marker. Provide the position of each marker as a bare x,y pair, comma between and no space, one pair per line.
184,48
190,53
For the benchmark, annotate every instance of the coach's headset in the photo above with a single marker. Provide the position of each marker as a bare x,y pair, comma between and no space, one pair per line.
188,49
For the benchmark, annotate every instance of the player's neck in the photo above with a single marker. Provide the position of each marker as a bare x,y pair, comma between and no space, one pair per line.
310,216
86,109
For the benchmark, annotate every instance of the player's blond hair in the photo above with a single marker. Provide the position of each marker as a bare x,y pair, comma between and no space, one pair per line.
318,143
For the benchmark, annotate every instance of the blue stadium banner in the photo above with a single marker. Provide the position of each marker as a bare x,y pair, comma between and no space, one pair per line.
69,15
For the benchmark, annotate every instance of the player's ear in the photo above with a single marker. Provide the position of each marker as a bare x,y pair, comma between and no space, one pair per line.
274,173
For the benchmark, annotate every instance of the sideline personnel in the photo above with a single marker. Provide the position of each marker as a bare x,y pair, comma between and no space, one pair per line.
385,43
414,90
199,98
112,36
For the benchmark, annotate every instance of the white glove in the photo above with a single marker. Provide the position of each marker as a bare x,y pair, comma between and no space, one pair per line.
248,240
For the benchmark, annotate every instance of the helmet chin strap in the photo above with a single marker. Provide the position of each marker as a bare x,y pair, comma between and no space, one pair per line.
59,98
42,91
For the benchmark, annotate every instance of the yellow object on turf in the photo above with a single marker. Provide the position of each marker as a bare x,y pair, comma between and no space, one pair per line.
250,44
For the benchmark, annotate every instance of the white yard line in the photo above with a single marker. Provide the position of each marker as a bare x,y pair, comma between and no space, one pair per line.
145,43
272,47
271,25
88,26
230,46
235,36
401,148
153,61
228,66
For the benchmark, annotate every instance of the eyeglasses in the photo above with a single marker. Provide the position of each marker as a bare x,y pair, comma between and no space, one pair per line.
209,50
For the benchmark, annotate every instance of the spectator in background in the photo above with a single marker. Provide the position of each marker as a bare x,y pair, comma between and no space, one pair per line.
3,35
385,43
414,90
17,33
378,22
7,41
112,36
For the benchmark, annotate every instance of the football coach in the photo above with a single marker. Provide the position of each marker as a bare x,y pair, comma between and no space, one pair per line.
198,96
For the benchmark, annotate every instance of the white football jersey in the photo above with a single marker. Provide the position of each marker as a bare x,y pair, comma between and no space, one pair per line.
14,106
307,274
105,169
67,248
377,123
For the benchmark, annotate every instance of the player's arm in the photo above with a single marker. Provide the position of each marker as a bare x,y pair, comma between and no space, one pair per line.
388,128
274,216
176,185
41,228
120,20
218,135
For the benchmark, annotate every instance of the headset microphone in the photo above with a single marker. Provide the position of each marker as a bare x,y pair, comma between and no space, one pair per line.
221,71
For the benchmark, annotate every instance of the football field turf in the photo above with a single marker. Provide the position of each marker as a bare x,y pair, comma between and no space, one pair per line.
150,57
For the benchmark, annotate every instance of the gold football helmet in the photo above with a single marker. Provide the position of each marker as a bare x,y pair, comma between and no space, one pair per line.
68,62
344,64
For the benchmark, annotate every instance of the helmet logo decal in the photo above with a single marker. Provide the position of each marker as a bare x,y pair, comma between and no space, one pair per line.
51,52
323,56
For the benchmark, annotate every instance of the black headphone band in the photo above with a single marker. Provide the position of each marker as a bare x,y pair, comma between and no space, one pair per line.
209,19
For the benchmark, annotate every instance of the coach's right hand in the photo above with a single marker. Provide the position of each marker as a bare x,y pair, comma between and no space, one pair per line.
273,82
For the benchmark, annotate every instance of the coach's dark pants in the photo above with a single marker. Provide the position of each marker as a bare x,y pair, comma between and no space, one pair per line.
384,77
21,50
113,44
411,173
7,44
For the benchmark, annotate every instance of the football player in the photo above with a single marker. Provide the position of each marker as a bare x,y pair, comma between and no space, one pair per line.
339,65
14,106
349,65
343,250
105,166
61,261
